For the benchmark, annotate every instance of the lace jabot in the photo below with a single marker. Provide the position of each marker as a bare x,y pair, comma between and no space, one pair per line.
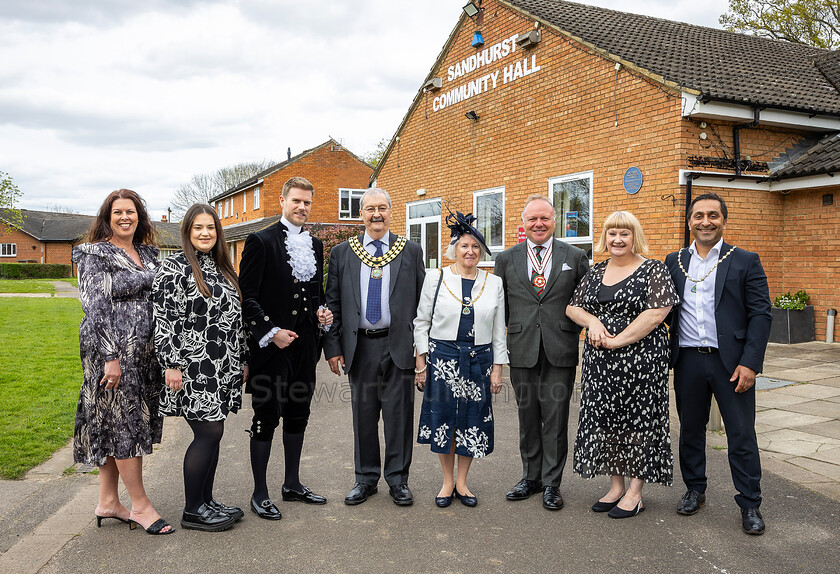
301,255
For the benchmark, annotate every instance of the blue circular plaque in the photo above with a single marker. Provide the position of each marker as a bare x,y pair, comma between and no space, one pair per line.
632,180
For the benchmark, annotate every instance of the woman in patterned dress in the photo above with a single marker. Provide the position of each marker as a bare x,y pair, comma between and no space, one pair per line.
202,346
460,324
117,418
623,428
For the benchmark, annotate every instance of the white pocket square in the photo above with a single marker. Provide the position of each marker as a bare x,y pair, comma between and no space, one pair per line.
565,267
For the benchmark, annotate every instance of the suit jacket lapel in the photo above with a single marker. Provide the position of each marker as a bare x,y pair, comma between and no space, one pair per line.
520,265
558,258
722,270
395,264
356,273
684,256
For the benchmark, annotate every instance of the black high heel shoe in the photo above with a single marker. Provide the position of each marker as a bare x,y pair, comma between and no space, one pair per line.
99,519
621,513
155,528
466,500
444,501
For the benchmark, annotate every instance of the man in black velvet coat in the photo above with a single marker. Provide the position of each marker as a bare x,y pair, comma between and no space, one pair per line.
281,276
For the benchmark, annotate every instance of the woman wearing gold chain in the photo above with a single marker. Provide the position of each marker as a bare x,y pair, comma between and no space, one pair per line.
460,325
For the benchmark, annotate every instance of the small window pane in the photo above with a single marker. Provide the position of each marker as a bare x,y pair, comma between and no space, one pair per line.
571,203
414,233
489,211
428,209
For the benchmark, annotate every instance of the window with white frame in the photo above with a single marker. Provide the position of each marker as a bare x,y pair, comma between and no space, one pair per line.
227,207
244,201
572,199
8,249
349,203
218,206
256,198
423,227
489,209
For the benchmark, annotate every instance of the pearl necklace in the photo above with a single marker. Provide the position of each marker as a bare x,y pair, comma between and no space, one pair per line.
706,276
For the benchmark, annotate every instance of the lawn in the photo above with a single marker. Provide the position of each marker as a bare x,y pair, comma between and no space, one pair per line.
26,286
40,376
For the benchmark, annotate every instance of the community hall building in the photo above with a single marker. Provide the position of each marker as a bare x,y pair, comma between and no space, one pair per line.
603,110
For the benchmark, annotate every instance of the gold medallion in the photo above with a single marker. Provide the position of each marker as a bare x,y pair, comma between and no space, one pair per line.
376,273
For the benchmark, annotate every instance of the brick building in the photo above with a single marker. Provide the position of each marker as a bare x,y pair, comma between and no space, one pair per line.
339,176
603,110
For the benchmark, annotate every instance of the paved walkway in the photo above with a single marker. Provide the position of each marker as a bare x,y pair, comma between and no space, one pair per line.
46,521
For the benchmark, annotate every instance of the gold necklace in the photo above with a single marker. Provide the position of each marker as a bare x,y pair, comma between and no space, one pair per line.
465,307
697,281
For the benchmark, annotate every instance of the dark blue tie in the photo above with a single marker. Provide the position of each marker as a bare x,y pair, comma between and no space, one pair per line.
374,299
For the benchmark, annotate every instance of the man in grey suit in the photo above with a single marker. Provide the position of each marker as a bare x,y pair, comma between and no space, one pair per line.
539,277
372,337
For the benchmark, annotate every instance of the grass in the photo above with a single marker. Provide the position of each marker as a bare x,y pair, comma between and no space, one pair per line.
26,286
40,376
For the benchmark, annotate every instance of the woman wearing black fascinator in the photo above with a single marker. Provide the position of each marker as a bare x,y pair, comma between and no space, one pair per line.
459,334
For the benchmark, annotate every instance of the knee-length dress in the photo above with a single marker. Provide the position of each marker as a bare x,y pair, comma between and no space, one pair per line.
203,337
624,422
457,404
116,297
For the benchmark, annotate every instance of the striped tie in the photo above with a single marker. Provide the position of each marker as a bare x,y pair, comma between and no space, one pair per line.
537,250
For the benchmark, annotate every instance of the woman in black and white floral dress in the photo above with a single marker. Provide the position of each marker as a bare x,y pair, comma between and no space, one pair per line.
623,429
202,345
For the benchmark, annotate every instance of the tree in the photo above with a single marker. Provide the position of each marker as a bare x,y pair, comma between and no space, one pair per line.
59,208
203,186
9,194
374,157
811,22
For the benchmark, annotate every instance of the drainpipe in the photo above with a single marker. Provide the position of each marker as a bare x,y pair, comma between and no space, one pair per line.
736,138
687,235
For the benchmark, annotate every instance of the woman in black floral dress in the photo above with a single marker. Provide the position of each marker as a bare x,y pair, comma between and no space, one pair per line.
623,429
117,418
202,345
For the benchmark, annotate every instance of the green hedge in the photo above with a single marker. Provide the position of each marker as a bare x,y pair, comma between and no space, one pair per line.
34,270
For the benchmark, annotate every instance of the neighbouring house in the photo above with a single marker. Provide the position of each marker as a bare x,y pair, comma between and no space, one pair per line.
49,237
339,177
602,110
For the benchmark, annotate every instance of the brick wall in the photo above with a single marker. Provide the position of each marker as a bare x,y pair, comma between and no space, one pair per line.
28,248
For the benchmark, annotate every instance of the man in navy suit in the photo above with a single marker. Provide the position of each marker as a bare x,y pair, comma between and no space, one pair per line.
718,337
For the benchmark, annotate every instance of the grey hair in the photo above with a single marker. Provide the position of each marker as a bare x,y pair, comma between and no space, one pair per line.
374,191
450,250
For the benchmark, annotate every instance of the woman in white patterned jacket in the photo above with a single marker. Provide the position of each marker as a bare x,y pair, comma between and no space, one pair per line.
459,333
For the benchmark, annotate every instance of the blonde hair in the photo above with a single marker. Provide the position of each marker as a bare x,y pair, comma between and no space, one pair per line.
623,220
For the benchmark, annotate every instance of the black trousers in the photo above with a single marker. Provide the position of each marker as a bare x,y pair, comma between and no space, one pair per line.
377,385
698,376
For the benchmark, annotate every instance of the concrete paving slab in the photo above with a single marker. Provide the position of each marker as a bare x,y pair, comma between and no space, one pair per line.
762,427
829,489
826,469
829,429
831,456
785,419
37,295
795,443
802,375
833,382
811,391
822,408
784,467
773,400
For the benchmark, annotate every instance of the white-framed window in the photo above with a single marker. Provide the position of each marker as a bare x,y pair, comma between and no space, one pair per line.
572,199
423,226
349,203
218,207
8,249
244,201
489,209
256,198
228,207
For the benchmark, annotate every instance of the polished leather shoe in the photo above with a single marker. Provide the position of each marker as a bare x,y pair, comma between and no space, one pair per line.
360,492
233,511
552,499
265,509
401,495
618,512
604,506
207,519
524,489
306,496
444,501
751,521
467,500
691,502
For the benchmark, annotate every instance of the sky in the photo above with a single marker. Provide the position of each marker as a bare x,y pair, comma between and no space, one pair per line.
105,94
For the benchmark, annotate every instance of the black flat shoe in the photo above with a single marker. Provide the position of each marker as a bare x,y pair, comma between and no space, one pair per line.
444,501
466,500
604,506
401,494
265,509
233,511
306,496
524,489
154,528
552,499
691,502
621,513
99,519
752,521
359,493
207,519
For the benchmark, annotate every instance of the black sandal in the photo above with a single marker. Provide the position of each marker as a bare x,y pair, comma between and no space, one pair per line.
155,527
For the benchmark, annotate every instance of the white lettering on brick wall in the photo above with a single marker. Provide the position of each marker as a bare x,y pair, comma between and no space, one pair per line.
510,73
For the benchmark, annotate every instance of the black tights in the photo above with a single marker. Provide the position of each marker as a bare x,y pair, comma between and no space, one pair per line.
200,462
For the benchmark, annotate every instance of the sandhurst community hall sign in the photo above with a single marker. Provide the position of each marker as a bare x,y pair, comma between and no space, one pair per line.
499,51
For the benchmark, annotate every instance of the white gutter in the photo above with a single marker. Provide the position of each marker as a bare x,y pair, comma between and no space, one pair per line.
752,182
693,108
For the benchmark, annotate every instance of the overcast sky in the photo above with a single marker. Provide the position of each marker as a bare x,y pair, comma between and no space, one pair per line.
97,95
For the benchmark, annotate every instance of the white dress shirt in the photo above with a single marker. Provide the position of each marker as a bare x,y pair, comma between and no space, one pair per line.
546,245
697,327
364,278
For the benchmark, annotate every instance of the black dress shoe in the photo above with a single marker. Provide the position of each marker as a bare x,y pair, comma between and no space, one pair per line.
552,499
265,509
306,496
751,521
621,513
691,502
524,489
466,500
207,519
604,506
444,501
233,511
401,495
360,492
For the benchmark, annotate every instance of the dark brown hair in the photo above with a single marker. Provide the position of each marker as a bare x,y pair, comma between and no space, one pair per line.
300,183
218,253
100,229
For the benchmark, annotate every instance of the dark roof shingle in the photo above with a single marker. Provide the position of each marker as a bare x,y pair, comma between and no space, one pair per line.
823,157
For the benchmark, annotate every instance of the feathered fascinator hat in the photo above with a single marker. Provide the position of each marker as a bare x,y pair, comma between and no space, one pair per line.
459,224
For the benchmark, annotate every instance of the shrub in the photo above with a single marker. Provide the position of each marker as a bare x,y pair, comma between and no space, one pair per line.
34,270
796,302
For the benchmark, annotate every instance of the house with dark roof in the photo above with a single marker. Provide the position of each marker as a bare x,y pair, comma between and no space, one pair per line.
602,110
339,176
49,237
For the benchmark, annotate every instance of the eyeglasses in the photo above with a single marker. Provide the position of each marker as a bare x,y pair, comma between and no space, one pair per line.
380,209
